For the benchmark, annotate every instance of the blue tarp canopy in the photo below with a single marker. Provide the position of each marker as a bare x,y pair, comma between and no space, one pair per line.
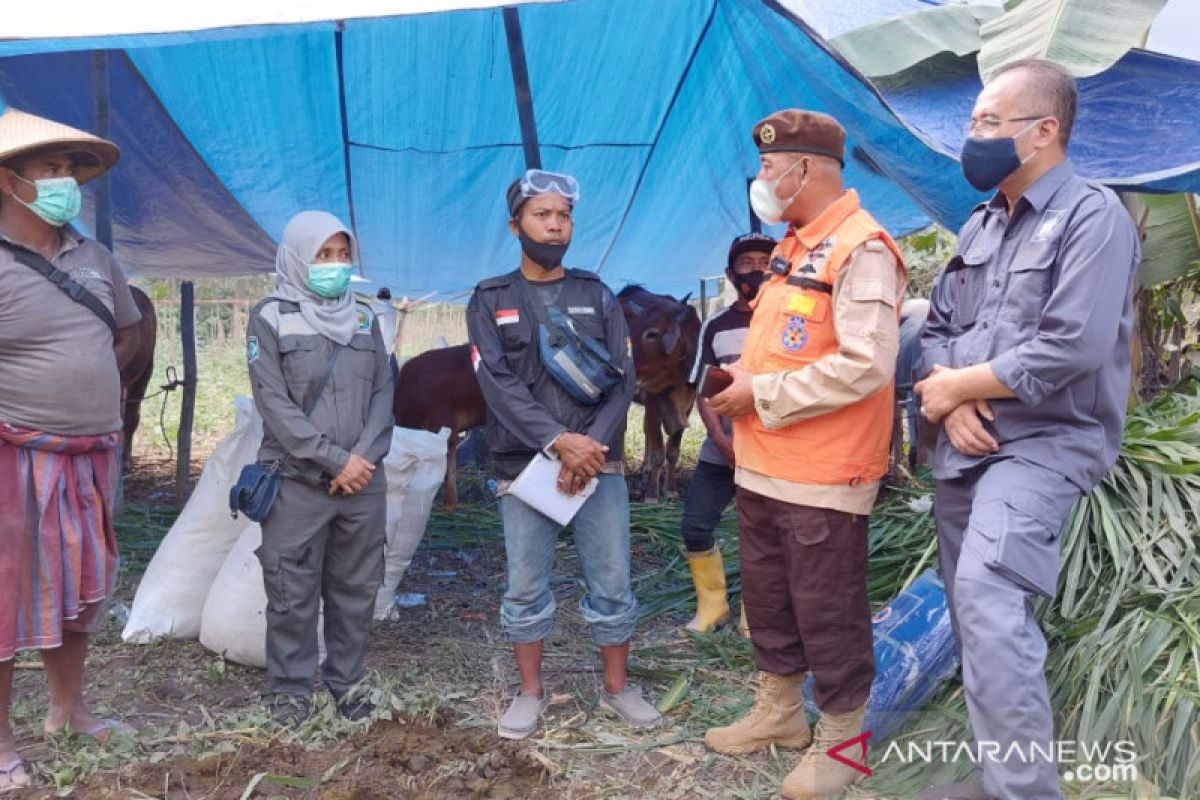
1136,128
408,126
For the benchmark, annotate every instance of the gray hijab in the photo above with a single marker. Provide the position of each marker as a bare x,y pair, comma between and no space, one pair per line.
336,319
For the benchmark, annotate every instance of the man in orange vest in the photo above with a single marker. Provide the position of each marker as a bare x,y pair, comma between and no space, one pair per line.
811,401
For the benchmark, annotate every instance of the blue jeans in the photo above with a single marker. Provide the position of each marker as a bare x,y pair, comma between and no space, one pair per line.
602,538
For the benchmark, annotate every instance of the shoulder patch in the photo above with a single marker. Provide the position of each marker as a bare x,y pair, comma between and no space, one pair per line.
251,349
494,283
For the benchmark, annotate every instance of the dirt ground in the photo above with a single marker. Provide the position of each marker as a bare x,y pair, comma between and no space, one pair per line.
444,675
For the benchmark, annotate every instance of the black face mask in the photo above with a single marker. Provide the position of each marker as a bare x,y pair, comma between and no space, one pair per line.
987,162
546,255
747,284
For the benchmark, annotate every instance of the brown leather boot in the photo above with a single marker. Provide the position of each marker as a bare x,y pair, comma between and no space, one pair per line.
818,776
777,718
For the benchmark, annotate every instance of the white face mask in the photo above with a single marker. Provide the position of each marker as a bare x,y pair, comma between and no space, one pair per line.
766,204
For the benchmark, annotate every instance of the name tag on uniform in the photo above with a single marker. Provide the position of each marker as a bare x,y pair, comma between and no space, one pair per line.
508,316
581,310
801,304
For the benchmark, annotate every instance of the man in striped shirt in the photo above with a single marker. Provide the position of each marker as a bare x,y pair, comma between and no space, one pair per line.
711,487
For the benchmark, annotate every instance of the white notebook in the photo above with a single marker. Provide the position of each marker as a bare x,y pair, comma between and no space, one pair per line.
537,487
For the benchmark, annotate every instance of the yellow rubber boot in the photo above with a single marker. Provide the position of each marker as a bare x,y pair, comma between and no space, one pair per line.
708,575
819,776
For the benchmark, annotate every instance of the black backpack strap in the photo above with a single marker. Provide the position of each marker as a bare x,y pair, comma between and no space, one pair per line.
539,311
63,281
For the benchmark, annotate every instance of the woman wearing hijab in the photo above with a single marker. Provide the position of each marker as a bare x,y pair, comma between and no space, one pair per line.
322,383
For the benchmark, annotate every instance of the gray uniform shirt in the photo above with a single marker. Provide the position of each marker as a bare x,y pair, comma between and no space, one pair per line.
353,414
527,408
58,372
1046,296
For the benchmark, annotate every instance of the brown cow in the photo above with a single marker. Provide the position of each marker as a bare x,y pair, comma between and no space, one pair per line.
665,333
136,375
437,389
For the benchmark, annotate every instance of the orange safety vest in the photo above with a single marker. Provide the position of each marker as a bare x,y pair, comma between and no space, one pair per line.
793,327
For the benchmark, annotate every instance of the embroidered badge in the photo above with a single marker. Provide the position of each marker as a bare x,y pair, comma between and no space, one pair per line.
780,265
508,316
251,349
795,334
1047,225
364,323
475,358
767,133
581,310
85,274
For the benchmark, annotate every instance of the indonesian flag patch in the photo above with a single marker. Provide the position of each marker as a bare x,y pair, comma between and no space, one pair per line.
475,358
507,316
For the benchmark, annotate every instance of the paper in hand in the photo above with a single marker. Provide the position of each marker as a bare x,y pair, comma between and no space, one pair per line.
537,487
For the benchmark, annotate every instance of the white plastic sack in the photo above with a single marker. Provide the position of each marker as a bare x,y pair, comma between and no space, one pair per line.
415,468
234,622
171,595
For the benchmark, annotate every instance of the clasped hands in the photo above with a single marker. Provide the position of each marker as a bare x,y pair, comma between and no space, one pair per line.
943,401
582,459
354,477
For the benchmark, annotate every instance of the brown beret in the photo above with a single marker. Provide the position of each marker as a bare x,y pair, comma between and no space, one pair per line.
794,131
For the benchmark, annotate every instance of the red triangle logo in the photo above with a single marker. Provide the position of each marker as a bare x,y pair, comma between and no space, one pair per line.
835,753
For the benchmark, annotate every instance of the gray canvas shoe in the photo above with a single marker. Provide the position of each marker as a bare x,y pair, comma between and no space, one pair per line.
521,719
970,789
630,706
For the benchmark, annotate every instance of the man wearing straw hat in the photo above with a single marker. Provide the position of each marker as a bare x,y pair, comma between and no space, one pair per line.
67,325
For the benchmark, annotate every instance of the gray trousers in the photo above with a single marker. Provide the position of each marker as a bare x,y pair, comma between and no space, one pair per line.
999,527
316,547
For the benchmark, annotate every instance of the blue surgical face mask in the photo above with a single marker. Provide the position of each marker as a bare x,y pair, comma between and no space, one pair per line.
58,201
987,162
329,280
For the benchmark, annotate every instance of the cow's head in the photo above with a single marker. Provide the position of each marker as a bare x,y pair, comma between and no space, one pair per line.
664,332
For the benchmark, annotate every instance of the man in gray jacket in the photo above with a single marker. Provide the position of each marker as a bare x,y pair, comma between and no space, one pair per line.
1026,365
529,412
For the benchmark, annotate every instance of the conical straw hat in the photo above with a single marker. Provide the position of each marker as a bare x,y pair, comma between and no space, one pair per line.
23,133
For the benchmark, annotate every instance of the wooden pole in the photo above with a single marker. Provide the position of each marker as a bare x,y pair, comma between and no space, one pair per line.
102,187
187,331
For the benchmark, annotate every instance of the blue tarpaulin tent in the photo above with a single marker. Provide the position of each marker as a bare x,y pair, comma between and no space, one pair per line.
411,127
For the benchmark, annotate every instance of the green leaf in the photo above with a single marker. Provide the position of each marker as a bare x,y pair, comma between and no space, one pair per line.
1172,246
1085,36
893,45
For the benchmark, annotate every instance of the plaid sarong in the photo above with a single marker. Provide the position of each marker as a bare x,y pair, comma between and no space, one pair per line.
58,549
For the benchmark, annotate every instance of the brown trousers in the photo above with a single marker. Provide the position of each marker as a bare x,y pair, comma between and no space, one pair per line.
804,585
